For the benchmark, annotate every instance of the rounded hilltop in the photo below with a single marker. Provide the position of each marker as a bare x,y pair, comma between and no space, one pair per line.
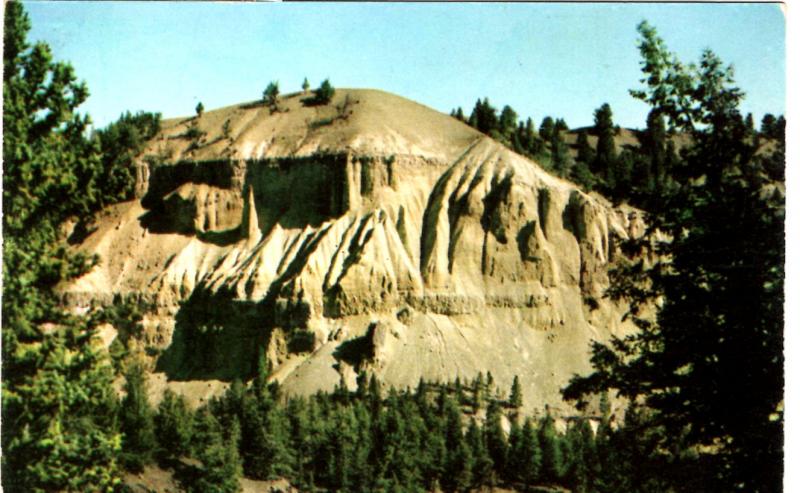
361,121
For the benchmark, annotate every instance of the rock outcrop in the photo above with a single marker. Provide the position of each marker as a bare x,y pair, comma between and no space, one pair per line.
371,233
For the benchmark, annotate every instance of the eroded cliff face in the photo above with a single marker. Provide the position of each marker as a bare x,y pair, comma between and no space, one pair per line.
372,233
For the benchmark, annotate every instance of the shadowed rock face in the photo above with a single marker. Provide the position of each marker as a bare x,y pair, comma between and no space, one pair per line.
372,233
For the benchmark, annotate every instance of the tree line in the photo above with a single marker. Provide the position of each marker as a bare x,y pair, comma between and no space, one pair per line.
438,436
639,174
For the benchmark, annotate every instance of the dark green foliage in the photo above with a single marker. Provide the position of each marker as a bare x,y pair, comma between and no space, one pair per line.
585,151
508,121
772,127
721,282
559,157
496,443
458,114
515,397
552,454
271,93
301,340
484,117
606,153
173,424
58,407
199,109
265,440
324,93
547,128
306,85
136,420
482,469
528,455
121,142
359,441
218,454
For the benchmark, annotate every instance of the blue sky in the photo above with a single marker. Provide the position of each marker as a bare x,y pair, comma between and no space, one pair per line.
562,60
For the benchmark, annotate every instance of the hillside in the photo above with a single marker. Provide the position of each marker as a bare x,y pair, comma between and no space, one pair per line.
371,233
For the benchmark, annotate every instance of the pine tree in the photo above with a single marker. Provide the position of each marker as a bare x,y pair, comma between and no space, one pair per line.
173,424
58,403
514,467
459,391
482,463
585,151
477,393
306,85
725,285
559,156
515,398
508,121
547,128
530,455
219,455
606,152
552,459
136,420
121,142
584,457
495,438
325,92
270,95
265,439
199,109
484,117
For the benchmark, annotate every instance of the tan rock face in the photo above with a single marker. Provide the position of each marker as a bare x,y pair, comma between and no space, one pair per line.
370,233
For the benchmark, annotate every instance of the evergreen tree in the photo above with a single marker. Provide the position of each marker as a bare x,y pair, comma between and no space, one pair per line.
725,285
265,439
580,172
458,469
529,455
552,459
606,152
508,121
199,109
559,155
120,143
495,438
477,393
271,93
482,463
325,92
585,151
221,467
173,424
484,117
514,466
136,420
547,128
459,391
654,146
58,403
306,85
582,467
515,399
